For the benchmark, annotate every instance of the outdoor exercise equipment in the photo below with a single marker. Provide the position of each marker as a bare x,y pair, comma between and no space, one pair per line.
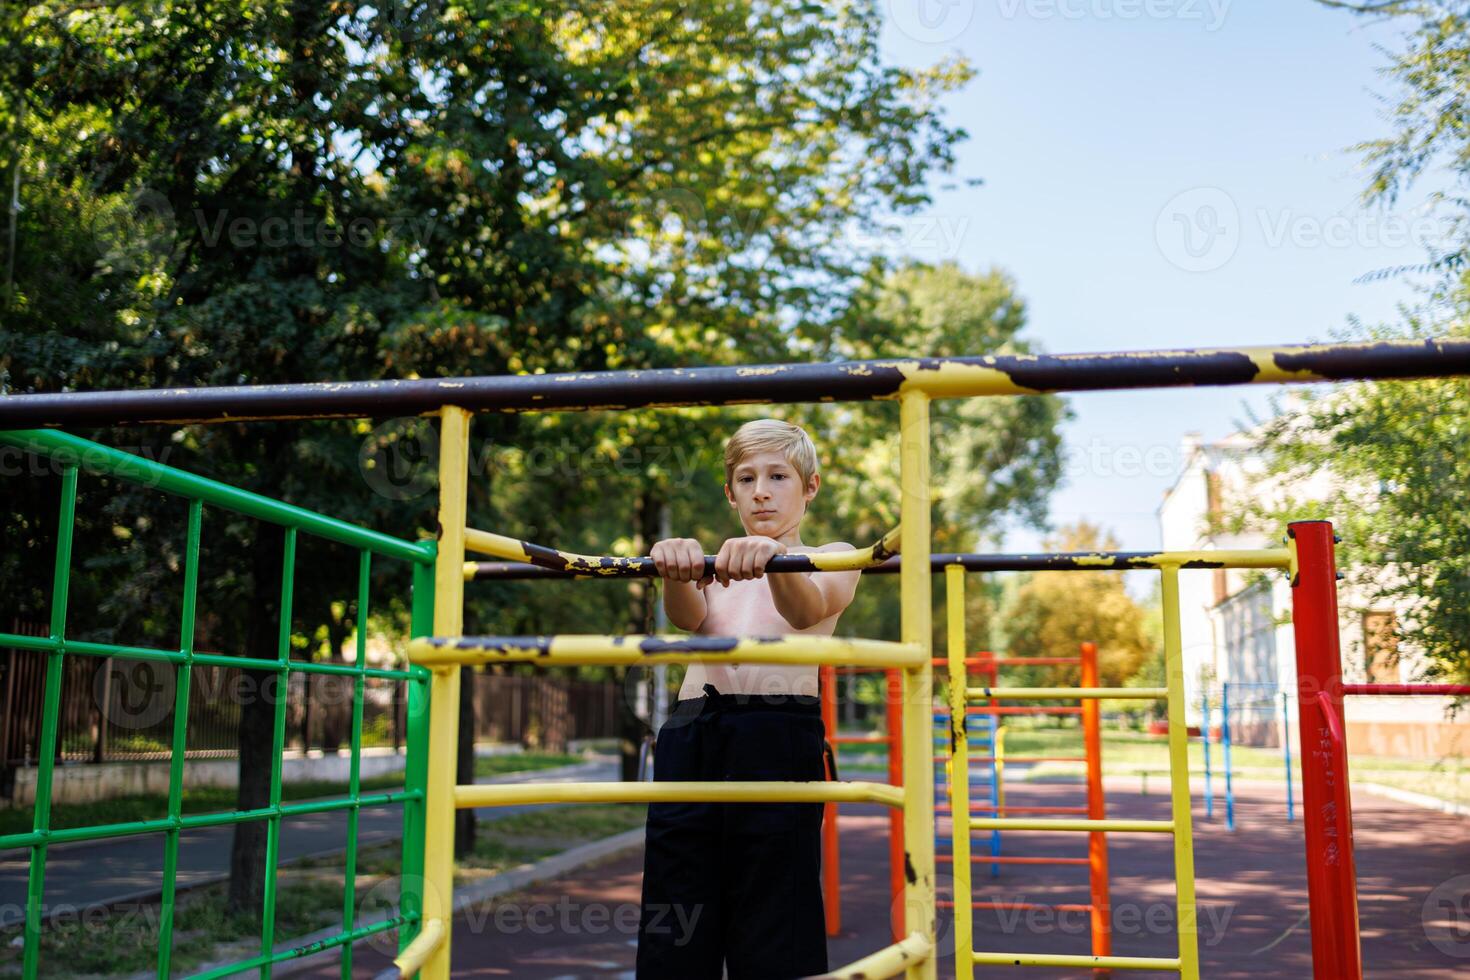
424,919
1258,695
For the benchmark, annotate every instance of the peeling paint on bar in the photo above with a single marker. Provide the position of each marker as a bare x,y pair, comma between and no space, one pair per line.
950,377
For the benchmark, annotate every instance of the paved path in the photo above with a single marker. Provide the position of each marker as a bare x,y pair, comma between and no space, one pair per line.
123,869
1252,892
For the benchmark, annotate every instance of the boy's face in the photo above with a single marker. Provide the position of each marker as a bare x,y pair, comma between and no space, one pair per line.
766,490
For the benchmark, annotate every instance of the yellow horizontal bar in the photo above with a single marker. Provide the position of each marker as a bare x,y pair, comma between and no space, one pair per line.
1078,962
575,649
773,791
1062,693
1117,826
887,962
414,955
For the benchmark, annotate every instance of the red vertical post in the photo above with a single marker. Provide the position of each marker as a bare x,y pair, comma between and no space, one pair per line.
831,870
1332,884
896,882
1097,840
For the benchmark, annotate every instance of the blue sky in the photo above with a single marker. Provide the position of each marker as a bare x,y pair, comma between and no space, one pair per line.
1162,173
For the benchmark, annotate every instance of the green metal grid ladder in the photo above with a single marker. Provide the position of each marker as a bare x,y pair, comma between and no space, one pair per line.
75,454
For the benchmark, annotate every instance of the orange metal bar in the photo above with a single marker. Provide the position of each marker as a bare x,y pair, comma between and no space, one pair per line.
1097,840
941,757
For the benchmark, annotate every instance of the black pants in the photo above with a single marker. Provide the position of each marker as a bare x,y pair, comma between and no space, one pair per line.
736,885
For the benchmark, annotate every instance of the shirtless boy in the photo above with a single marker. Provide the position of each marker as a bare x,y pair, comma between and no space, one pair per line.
736,887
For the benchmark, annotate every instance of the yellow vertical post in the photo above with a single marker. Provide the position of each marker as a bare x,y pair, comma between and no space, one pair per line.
454,437
918,682
959,774
1179,780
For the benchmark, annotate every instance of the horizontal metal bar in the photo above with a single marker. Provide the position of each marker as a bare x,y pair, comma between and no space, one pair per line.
198,820
297,952
412,957
1073,561
1012,661
575,649
1078,962
567,564
941,377
1067,693
992,808
1428,690
97,458
1115,826
890,961
473,795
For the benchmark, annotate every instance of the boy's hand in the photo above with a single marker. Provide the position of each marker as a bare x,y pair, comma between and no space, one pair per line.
680,560
745,558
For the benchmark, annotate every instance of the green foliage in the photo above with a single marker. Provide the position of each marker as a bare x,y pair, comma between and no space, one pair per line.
1386,463
1049,614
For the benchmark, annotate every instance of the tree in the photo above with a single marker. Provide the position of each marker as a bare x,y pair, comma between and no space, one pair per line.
1049,614
236,191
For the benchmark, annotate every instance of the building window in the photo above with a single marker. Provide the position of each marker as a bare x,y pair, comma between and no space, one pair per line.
1381,647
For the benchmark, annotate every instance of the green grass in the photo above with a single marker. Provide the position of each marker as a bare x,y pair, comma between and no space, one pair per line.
210,799
1126,753
309,898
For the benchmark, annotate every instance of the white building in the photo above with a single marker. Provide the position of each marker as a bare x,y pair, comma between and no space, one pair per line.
1236,624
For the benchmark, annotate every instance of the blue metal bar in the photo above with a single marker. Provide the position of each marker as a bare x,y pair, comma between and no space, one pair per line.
1286,757
1225,741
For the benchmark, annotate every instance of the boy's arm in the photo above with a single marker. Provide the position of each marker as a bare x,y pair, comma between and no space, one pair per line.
804,600
680,563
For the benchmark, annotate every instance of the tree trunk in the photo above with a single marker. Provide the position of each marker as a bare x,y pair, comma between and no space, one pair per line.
632,730
256,734
464,820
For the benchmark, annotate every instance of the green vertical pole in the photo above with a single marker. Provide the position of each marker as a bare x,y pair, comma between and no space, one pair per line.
349,893
416,758
180,739
46,762
278,748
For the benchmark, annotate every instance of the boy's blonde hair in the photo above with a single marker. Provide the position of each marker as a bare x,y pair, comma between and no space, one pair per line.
772,436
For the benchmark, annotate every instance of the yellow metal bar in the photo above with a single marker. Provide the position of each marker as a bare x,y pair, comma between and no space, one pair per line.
1078,962
454,446
1045,693
887,962
1179,781
959,772
1043,823
1000,771
425,944
571,650
918,682
773,791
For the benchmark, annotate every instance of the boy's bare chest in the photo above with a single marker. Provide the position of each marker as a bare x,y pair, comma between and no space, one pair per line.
743,608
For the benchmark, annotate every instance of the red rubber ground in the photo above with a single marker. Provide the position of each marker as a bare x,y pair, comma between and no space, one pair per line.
1252,890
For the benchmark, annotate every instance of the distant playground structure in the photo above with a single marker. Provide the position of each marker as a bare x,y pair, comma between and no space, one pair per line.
438,648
